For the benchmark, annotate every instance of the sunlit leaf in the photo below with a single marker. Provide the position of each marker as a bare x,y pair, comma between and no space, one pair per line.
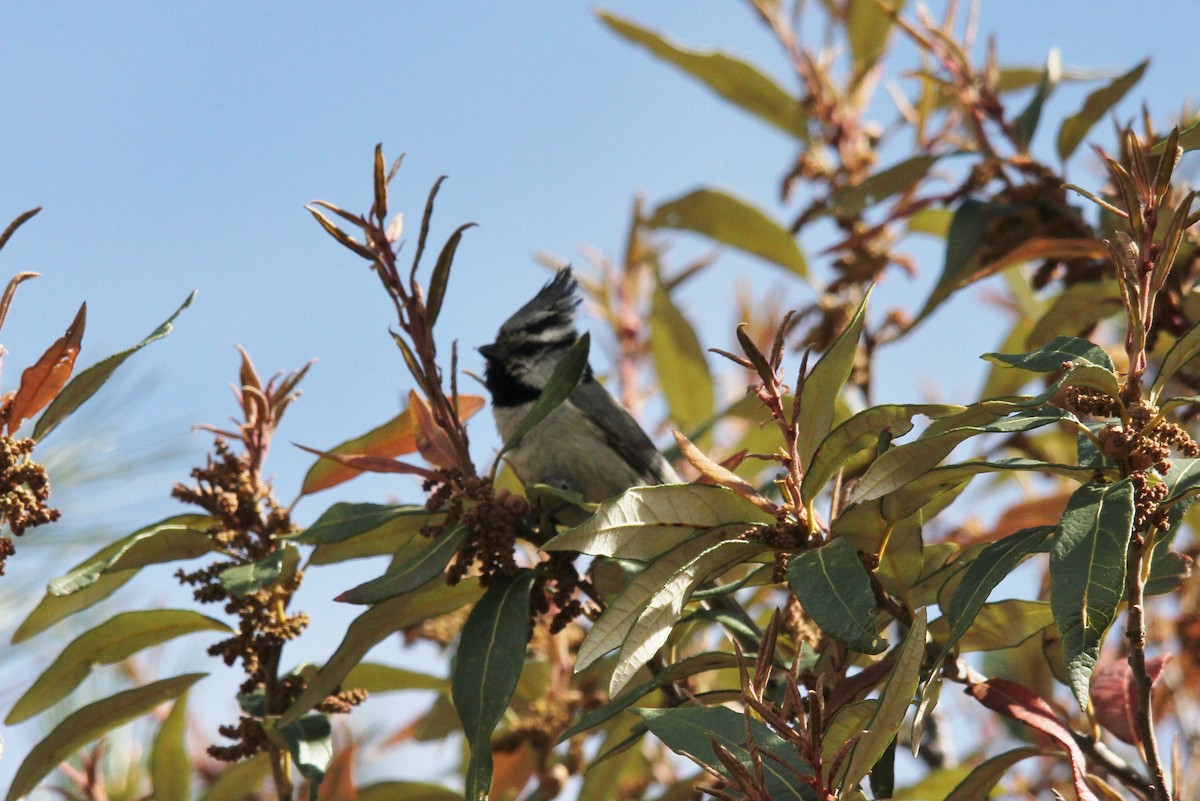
613,627
1077,308
894,699
1097,104
239,781
998,625
243,580
644,522
345,520
726,219
823,384
987,774
376,678
116,639
680,362
963,239
1183,350
397,536
664,607
370,628
868,26
84,386
731,78
1026,124
170,763
441,275
90,722
1087,573
43,380
486,668
833,587
310,741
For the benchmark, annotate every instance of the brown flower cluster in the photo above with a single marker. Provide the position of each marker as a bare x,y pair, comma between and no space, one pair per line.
24,492
249,525
493,520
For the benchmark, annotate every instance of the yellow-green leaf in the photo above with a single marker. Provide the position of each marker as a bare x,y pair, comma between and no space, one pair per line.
170,763
679,360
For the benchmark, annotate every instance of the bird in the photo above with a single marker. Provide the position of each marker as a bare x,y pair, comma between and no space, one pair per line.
590,444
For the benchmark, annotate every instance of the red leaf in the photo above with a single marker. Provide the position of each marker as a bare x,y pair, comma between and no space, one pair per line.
371,464
1021,704
46,378
1114,696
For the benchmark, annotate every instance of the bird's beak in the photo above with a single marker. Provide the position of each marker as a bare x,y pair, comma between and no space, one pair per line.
489,351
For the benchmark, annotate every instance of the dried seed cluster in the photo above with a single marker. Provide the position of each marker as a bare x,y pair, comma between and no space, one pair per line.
24,492
249,523
493,520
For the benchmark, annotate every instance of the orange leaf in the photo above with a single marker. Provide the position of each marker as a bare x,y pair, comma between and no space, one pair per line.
46,378
370,464
432,441
394,438
339,783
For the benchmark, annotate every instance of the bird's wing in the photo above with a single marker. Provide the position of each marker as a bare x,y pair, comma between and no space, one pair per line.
622,433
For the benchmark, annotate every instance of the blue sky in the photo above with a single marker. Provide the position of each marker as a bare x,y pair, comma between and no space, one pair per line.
173,147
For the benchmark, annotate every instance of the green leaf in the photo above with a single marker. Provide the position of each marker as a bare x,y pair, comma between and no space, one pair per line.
1087,573
84,385
987,774
821,387
178,537
685,668
410,574
692,730
406,791
376,678
342,521
371,628
904,463
239,781
244,580
868,26
848,723
310,742
619,618
1097,104
862,431
110,642
664,607
486,668
854,200
1051,357
89,723
731,221
170,764
732,79
679,360
400,537
644,522
968,226
894,699
993,564
1026,124
441,275
562,382
1077,308
833,587
1182,351
998,625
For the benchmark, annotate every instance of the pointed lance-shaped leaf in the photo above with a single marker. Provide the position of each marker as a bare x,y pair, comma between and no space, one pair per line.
236,780
731,78
441,275
731,221
486,668
868,26
566,376
43,380
21,219
112,641
1026,124
92,721
1182,351
1021,704
818,398
984,777
430,561
853,200
963,240
84,385
170,762
343,239
272,569
371,628
433,442
381,182
1087,573
680,362
310,742
343,521
1097,104
833,587
10,291
1115,697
